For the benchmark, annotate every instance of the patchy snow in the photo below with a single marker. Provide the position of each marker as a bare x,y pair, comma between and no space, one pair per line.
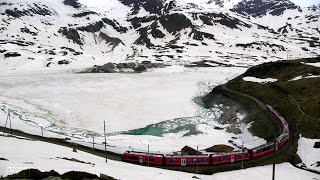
258,80
304,77
314,64
44,156
309,155
75,105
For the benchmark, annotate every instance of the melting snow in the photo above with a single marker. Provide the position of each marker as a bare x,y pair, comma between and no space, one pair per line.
257,80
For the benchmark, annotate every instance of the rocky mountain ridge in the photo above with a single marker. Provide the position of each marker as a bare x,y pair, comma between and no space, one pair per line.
84,32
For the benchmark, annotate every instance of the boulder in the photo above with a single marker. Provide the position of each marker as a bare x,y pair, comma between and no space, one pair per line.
108,68
316,145
139,68
11,54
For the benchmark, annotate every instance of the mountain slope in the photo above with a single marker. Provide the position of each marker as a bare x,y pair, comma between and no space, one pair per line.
85,32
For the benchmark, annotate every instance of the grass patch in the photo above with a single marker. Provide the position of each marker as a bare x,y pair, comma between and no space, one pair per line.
297,101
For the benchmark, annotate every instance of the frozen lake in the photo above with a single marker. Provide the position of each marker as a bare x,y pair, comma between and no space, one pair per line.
77,104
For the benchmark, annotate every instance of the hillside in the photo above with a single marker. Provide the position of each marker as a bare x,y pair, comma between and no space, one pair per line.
83,33
292,87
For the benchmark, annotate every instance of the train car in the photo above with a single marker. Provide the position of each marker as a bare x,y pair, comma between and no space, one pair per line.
283,139
140,157
275,115
230,157
189,160
263,150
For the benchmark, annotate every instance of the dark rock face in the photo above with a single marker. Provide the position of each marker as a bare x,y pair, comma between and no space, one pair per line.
17,42
198,35
36,9
175,22
115,25
152,6
11,54
228,21
112,41
143,39
74,52
316,145
72,34
64,62
83,14
108,68
26,30
257,8
261,44
136,21
73,3
92,27
140,68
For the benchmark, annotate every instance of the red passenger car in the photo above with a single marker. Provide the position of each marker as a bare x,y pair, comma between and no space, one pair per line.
175,160
230,157
140,157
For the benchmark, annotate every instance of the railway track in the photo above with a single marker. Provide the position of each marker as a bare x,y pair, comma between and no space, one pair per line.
268,159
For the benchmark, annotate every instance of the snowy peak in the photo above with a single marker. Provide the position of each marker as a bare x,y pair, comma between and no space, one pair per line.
168,31
258,8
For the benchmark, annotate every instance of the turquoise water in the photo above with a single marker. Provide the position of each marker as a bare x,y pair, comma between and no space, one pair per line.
177,125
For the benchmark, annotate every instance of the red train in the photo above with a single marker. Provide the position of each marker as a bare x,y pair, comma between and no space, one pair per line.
186,160
214,159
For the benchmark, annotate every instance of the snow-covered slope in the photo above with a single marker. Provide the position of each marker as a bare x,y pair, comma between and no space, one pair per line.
83,33
45,157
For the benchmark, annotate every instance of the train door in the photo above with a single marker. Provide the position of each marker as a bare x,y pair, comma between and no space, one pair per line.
183,162
141,159
232,159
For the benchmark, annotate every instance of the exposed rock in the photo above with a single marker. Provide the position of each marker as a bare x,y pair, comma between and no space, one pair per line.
152,6
115,25
112,41
108,68
3,159
73,3
316,145
82,14
71,33
175,22
261,43
92,27
140,68
11,54
258,8
225,20
143,39
63,62
198,35
26,30
136,21
32,10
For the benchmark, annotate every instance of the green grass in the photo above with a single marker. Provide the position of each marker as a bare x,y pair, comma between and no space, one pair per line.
297,101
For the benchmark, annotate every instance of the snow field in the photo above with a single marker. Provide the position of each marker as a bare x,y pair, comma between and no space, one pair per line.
24,154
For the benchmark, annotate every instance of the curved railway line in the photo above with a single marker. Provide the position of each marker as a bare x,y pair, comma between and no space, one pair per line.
208,169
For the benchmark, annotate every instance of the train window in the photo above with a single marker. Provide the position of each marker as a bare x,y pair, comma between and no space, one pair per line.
133,157
172,160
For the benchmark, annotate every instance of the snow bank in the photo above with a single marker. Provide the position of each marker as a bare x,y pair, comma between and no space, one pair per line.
309,155
44,156
314,64
303,77
257,80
